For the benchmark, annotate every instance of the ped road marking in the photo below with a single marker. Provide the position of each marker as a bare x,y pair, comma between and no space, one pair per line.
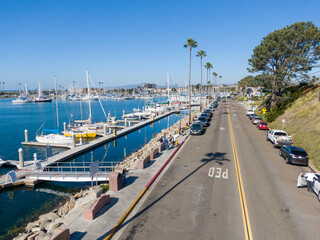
245,216
219,173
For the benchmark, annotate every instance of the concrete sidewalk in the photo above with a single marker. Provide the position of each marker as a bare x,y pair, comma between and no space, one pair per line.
106,219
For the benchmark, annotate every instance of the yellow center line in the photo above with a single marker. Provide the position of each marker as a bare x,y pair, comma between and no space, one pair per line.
245,216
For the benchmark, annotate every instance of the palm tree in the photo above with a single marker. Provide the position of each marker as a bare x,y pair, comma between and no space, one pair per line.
208,66
191,43
220,77
201,54
214,78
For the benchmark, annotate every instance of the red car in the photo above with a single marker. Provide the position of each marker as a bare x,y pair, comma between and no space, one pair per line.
262,126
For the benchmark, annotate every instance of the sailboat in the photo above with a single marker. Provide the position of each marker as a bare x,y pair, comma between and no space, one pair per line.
83,128
22,99
54,137
40,98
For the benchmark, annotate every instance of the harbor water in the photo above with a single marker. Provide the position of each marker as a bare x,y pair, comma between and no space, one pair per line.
21,205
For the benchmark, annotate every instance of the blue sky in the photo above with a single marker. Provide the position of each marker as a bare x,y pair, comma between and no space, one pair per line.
125,42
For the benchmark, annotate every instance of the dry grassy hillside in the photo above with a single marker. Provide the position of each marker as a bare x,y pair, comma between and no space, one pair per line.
303,124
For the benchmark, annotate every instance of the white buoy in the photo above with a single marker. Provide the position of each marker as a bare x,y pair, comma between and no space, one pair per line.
123,112
64,126
26,135
35,157
21,161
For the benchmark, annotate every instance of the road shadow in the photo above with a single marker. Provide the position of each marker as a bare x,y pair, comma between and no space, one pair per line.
217,157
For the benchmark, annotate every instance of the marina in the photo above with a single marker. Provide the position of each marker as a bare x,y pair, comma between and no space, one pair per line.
74,151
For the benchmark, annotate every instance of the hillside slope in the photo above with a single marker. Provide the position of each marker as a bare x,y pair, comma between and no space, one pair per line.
303,124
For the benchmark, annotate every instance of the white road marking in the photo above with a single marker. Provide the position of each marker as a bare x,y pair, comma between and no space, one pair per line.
219,173
222,129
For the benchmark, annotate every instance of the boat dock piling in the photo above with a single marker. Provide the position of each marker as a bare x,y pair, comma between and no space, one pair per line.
26,135
21,161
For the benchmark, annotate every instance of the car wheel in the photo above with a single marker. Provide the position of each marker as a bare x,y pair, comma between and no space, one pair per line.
267,139
287,160
280,154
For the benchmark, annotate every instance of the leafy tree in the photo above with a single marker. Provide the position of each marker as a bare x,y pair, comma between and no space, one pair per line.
286,54
191,43
201,54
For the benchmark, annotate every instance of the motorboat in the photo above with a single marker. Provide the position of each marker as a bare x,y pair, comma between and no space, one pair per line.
21,100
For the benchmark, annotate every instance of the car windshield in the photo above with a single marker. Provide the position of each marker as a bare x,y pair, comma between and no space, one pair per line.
202,119
300,153
195,127
280,134
264,124
257,118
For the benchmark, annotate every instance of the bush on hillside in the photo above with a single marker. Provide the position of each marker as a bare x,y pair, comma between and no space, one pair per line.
289,95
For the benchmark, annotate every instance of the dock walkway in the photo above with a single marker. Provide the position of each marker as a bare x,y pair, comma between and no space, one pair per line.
79,149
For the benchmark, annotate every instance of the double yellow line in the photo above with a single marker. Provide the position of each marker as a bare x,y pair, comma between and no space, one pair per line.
245,216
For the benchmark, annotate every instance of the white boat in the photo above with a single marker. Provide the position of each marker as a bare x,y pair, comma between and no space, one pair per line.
83,128
21,100
40,98
54,137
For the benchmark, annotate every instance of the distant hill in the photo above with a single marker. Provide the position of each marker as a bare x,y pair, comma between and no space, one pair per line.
303,124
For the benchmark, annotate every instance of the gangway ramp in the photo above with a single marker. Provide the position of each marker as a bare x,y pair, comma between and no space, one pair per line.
68,176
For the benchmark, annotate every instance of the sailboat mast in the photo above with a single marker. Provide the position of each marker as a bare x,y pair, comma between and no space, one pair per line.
168,81
90,116
55,84
39,90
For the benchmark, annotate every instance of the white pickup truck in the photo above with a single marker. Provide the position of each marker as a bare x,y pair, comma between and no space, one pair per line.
279,138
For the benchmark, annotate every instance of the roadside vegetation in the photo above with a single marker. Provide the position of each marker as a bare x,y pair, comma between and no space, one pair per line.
302,122
282,65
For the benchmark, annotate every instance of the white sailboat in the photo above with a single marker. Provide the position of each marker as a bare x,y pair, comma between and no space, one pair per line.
22,99
40,98
54,137
83,128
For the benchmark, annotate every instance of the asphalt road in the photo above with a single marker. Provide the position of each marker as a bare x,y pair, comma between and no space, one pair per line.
198,195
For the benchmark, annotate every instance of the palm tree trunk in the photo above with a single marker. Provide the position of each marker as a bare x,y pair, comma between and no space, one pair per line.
201,84
190,89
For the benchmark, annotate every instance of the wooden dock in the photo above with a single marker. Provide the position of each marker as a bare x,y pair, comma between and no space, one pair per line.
79,149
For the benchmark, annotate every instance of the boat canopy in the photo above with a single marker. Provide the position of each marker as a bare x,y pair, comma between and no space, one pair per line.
51,130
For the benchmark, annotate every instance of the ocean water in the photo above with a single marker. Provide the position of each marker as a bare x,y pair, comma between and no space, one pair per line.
20,205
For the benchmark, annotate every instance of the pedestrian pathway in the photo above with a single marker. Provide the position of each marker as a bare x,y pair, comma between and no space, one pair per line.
120,201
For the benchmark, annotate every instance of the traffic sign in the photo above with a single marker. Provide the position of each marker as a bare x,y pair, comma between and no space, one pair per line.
94,168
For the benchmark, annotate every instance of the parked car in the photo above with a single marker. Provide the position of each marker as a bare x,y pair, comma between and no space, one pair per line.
223,99
279,138
208,111
207,115
196,128
256,119
204,120
249,111
262,126
302,182
252,116
294,154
